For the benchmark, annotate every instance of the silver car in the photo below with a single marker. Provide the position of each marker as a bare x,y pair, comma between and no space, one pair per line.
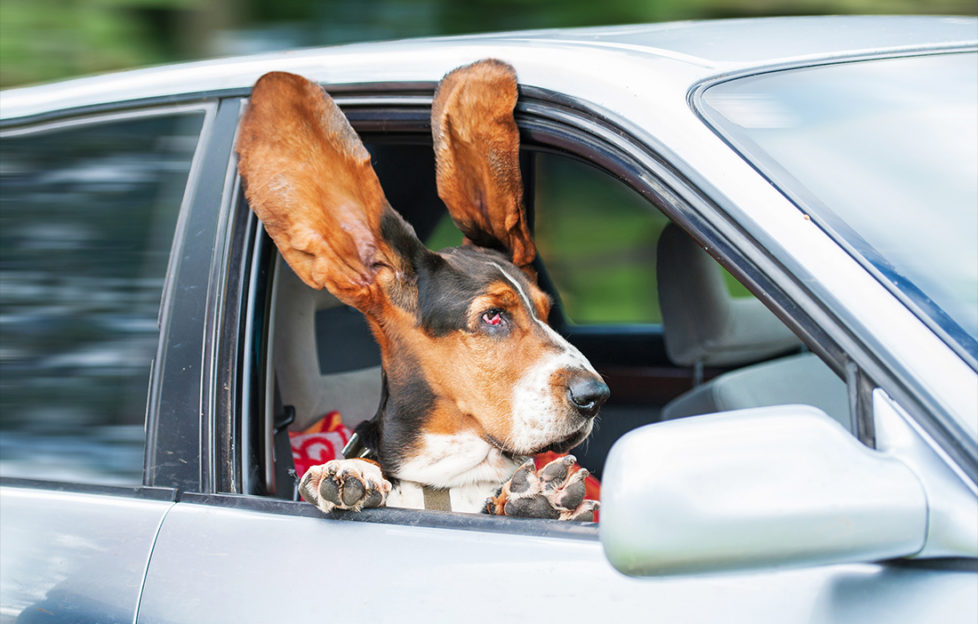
763,233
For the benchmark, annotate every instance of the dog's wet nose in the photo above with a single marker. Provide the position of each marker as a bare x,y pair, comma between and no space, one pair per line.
588,393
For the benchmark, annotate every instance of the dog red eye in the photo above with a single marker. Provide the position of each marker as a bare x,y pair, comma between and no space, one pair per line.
492,318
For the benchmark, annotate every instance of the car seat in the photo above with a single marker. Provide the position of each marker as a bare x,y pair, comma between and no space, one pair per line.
704,325
349,383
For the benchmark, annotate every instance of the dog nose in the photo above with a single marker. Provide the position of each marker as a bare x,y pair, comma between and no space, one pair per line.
588,393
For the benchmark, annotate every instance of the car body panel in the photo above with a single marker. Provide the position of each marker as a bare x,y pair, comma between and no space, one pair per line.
691,50
951,509
74,557
339,569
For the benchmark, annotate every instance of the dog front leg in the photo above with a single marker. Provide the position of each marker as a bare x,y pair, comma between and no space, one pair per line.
345,484
555,492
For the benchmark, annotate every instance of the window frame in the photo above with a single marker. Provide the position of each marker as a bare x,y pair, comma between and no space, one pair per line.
548,122
185,387
208,417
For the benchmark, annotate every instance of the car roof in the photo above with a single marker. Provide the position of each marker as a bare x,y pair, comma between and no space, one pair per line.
677,54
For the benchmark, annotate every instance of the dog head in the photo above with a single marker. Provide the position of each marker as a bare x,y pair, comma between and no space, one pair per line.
463,333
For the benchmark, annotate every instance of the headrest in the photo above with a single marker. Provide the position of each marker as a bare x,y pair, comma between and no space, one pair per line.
703,323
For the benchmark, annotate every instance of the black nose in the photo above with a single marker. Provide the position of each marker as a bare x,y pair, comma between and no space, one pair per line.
588,393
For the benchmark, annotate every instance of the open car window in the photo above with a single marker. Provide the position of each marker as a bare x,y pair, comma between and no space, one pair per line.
599,240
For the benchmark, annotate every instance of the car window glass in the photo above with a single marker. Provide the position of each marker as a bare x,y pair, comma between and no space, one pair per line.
873,150
87,216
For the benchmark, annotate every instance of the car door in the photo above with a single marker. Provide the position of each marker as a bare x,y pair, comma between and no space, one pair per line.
243,547
89,208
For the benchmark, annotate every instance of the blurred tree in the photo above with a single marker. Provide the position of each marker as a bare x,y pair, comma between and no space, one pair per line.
49,39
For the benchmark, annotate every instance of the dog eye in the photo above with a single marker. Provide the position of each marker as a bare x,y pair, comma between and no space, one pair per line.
493,318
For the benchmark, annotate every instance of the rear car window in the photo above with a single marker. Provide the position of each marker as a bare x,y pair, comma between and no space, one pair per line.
87,217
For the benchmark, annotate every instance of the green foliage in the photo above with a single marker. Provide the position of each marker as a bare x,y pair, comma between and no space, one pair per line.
48,39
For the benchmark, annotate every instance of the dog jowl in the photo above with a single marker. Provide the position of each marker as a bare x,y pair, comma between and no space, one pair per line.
475,380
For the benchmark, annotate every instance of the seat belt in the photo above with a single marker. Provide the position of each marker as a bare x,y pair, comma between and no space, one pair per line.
286,485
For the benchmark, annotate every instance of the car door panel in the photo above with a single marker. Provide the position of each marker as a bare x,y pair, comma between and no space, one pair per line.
74,557
219,563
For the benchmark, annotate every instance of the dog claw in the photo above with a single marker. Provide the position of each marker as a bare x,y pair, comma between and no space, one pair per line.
524,477
585,513
573,492
555,473
553,492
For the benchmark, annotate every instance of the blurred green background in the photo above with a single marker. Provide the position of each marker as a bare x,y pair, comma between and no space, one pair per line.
43,40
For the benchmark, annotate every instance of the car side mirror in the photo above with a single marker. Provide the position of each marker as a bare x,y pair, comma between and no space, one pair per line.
753,488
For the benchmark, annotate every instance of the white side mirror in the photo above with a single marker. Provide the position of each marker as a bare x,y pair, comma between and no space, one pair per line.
773,486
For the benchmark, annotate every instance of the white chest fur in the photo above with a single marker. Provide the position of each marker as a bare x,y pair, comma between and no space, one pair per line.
463,463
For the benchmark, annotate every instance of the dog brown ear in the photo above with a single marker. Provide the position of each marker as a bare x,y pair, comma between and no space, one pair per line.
309,179
477,146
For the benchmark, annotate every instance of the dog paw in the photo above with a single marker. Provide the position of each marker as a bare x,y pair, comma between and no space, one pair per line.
345,484
555,492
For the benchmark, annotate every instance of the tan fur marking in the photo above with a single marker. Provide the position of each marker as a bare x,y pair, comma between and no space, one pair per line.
473,373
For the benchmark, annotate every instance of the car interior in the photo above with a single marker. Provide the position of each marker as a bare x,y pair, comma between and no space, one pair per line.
701,348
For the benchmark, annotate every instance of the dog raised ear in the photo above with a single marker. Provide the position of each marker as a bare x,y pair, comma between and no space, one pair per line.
477,146
309,179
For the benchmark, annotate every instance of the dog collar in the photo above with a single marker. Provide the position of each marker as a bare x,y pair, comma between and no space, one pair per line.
436,499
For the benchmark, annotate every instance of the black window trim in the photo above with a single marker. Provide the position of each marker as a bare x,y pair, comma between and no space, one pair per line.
73,119
142,492
402,517
179,452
